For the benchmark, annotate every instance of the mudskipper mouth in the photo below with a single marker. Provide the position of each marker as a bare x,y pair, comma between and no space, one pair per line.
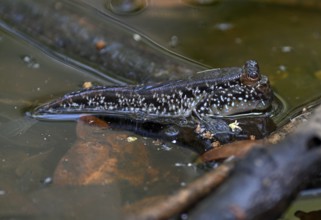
264,87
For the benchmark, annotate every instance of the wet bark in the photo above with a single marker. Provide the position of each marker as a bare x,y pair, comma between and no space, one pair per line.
96,42
265,181
259,186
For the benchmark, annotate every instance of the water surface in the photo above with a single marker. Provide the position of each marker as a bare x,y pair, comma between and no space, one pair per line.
287,46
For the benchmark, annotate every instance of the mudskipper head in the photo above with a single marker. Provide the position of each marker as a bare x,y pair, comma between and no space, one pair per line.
261,94
257,94
250,92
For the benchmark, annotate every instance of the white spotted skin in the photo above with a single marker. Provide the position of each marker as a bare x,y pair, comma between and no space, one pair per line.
212,93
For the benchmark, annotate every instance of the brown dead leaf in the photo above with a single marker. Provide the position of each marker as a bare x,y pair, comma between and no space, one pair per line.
102,156
237,148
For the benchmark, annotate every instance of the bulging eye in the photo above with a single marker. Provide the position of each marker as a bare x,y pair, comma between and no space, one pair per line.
251,72
253,75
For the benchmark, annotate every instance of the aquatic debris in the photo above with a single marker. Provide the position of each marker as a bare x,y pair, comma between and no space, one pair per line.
73,31
235,126
131,139
241,185
100,44
30,61
87,85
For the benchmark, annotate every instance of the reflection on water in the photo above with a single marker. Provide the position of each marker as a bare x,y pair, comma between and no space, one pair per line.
223,34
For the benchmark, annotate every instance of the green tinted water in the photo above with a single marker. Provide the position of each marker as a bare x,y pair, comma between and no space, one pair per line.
284,40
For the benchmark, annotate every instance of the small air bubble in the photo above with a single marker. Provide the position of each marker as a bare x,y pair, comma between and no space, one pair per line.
137,37
47,181
223,26
26,59
286,49
30,61
173,41
282,68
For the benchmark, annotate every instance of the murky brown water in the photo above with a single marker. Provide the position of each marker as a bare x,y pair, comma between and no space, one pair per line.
285,40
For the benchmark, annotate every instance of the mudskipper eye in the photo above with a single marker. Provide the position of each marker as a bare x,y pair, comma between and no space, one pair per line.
252,70
251,73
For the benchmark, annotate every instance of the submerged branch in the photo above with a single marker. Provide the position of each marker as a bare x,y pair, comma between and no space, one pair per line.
267,179
260,185
172,205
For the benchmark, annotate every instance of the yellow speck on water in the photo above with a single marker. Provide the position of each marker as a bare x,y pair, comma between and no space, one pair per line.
157,142
318,74
235,126
100,44
87,85
131,139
